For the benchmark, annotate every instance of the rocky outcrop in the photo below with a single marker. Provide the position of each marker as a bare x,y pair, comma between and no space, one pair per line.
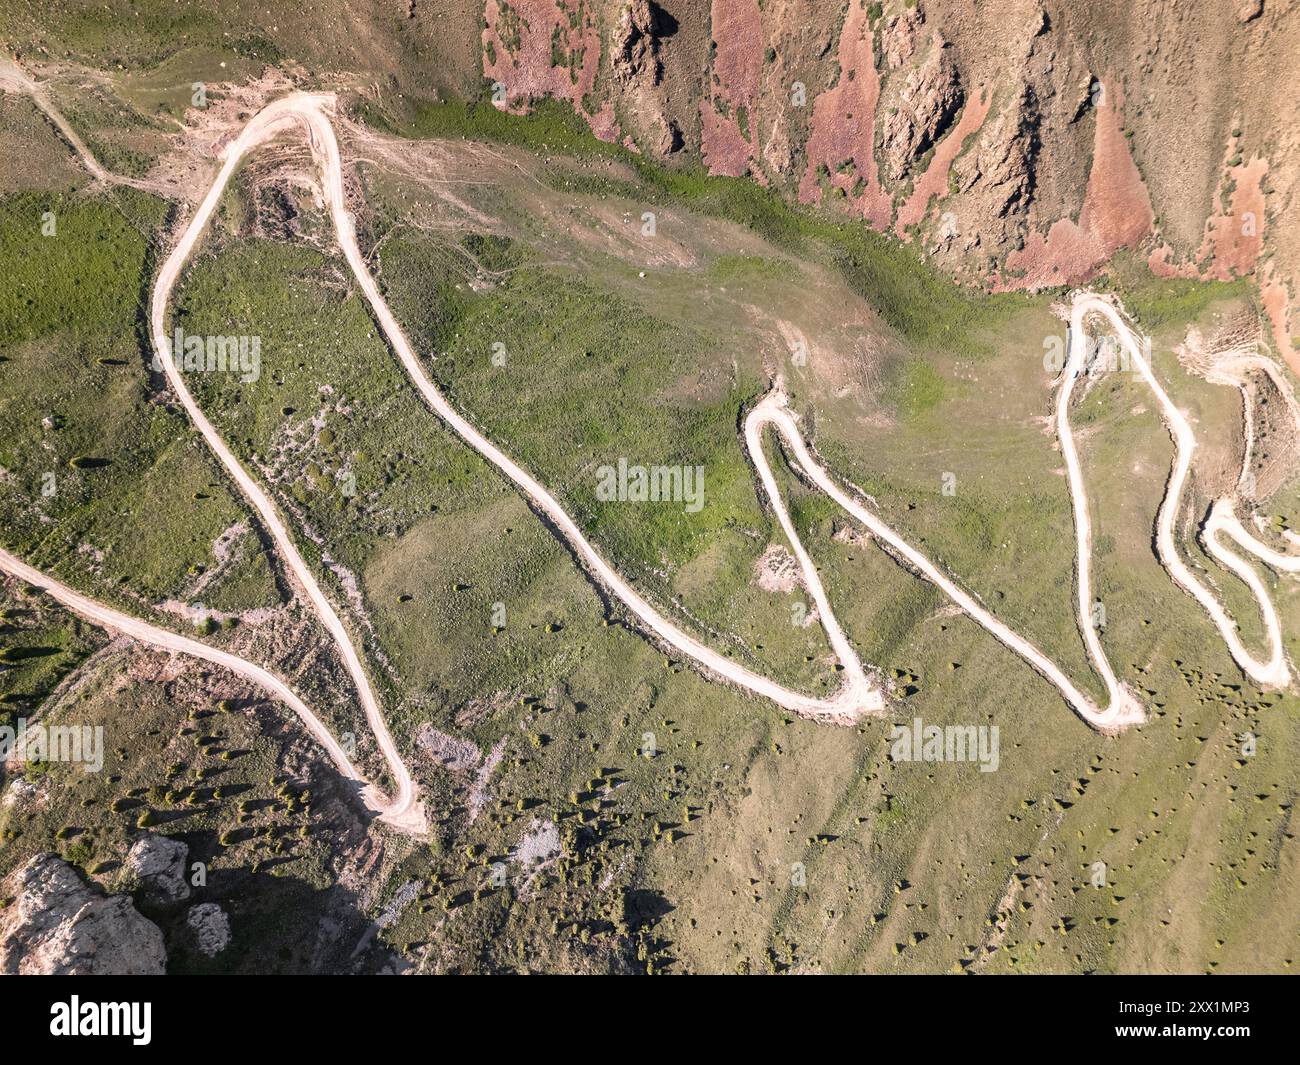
1116,213
159,863
898,39
209,927
633,47
57,925
1249,10
926,108
636,71
669,139
937,180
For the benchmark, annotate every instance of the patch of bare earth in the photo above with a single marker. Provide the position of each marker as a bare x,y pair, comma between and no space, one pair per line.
1234,236
728,147
840,148
522,41
452,753
186,171
538,848
777,570
1277,305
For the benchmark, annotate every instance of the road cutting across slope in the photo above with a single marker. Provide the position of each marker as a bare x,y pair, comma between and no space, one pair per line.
1123,710
1223,519
1274,672
115,621
404,808
403,811
860,692
15,79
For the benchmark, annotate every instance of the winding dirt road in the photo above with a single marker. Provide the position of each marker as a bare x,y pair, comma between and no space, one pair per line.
1123,709
1272,673
404,809
860,692
858,695
115,621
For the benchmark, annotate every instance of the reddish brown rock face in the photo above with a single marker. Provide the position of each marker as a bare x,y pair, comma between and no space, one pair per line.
973,131
840,145
725,150
727,146
738,60
1234,237
1274,295
521,43
1233,246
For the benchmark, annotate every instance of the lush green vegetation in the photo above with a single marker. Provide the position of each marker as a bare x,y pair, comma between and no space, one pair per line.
1156,302
550,126
106,487
142,33
74,266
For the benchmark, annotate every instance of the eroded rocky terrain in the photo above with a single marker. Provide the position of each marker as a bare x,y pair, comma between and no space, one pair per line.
1021,143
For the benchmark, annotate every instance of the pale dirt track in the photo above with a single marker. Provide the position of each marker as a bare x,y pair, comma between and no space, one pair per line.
860,693
13,78
115,621
1272,673
1123,710
404,811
